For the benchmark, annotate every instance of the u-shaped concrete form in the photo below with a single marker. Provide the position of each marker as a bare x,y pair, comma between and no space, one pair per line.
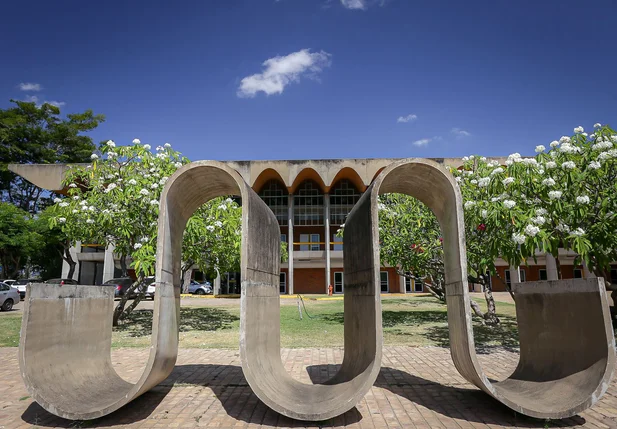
66,330
566,339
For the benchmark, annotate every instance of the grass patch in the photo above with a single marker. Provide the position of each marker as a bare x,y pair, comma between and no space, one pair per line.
10,324
407,321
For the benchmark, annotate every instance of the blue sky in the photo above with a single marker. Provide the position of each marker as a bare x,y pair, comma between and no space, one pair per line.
485,77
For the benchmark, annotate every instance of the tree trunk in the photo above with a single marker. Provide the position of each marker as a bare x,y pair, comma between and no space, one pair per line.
123,266
490,318
120,312
69,260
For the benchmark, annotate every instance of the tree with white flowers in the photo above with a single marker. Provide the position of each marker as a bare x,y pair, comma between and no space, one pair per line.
114,201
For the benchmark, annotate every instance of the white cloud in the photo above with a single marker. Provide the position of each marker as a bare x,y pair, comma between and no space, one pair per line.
55,103
32,99
354,4
408,118
281,71
422,142
30,86
460,133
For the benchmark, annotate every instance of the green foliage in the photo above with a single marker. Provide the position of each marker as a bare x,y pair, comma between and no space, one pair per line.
18,239
561,198
31,134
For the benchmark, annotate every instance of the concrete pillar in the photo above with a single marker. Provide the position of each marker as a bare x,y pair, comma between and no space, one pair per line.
326,213
551,267
402,281
515,275
586,273
109,265
74,250
290,245
217,283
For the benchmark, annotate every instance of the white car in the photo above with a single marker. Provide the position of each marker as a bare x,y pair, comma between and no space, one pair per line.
9,296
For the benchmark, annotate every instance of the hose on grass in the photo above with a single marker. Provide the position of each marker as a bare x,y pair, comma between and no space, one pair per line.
305,310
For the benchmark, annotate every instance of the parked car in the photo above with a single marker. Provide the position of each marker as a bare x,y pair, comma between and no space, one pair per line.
61,281
121,284
21,286
9,296
151,287
8,281
200,288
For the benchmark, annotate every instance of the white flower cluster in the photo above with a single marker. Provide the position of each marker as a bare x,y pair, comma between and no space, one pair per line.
530,161
540,148
509,204
94,156
594,165
597,125
549,181
210,228
154,185
484,214
178,164
531,230
147,147
483,182
110,188
469,204
497,171
578,232
555,195
550,165
63,204
514,157
132,182
154,202
111,154
564,139
136,141
137,246
541,212
554,144
473,181
144,191
224,207
579,130
568,165
538,220
568,148
57,200
218,223
518,238
507,181
584,199
602,144
111,143
562,227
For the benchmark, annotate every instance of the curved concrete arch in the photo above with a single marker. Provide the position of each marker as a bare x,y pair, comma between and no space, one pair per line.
308,173
557,320
260,323
265,176
65,343
351,175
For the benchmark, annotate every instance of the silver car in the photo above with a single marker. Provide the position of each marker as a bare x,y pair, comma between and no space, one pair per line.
9,296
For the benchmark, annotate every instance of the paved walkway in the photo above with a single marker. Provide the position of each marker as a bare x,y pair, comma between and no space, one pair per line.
417,388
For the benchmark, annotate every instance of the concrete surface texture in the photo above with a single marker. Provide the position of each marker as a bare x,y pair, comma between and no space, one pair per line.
567,344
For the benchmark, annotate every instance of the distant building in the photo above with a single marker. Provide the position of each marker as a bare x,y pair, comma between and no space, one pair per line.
310,199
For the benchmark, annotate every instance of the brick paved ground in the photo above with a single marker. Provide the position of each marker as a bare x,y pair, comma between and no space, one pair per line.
417,388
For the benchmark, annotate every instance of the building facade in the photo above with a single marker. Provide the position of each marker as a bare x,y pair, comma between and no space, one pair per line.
310,199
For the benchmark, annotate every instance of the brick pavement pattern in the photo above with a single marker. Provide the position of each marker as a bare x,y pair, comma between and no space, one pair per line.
418,387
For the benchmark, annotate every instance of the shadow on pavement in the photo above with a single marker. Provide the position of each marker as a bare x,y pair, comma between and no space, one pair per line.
226,381
468,404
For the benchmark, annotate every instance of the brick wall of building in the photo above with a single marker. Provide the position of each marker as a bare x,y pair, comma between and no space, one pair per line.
309,280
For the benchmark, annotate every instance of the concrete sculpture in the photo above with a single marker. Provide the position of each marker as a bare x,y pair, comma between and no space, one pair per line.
565,332
66,330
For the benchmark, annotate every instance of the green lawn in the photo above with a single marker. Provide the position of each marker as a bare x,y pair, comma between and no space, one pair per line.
410,321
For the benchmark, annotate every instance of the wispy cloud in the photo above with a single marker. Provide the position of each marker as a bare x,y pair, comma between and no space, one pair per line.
30,86
460,133
354,4
280,71
422,142
32,99
55,103
361,4
408,118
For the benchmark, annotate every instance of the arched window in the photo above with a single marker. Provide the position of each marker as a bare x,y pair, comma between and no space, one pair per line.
308,204
275,195
343,196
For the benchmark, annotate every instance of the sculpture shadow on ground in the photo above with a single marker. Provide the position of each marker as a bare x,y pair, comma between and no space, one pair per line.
226,381
505,335
469,404
139,322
